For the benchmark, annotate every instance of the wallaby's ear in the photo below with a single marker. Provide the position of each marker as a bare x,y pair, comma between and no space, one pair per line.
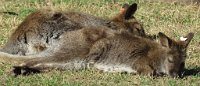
164,40
130,11
187,39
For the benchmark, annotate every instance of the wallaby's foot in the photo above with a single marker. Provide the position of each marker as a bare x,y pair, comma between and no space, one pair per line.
23,70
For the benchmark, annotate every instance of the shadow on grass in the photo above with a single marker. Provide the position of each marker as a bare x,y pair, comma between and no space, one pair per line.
191,72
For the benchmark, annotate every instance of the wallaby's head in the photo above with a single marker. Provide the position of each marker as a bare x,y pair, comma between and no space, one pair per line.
174,61
126,20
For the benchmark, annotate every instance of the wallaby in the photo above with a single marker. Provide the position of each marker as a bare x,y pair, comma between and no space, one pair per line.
109,51
71,40
41,29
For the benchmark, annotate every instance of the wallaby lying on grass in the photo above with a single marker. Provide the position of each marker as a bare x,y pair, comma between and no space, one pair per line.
70,40
110,51
41,29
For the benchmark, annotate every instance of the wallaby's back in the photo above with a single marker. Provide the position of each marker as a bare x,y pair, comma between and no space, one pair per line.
42,28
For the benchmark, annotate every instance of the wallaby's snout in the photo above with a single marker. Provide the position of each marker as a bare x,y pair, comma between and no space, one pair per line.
173,74
173,68
176,72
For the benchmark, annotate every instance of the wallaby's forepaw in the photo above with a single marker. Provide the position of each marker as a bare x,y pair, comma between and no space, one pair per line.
23,70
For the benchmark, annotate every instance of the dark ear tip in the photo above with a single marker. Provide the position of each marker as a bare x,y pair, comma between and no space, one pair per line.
191,34
134,4
161,34
130,11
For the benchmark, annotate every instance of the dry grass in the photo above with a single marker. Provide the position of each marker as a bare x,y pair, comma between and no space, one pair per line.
174,20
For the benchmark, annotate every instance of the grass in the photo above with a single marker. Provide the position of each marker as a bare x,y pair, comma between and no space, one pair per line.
175,20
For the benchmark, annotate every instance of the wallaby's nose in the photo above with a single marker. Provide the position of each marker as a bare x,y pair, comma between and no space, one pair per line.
173,74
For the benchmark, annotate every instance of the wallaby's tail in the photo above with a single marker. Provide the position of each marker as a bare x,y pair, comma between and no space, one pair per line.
10,58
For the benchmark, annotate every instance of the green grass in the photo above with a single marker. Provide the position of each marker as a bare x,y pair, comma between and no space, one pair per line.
174,20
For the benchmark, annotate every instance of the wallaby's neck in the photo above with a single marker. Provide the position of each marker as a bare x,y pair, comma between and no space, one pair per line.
158,56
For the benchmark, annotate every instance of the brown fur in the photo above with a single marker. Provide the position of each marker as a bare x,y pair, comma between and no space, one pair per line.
99,48
71,41
42,28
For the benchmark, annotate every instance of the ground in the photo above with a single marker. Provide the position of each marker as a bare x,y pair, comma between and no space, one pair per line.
175,20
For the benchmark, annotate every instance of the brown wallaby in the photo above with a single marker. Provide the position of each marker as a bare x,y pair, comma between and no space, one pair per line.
41,29
109,51
71,40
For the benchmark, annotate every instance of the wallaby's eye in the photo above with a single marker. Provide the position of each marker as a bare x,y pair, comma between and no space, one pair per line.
57,16
170,60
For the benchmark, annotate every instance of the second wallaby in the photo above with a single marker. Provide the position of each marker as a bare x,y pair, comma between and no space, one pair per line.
42,28
109,51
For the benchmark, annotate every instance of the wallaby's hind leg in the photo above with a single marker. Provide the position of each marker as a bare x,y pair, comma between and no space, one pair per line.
42,65
23,70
